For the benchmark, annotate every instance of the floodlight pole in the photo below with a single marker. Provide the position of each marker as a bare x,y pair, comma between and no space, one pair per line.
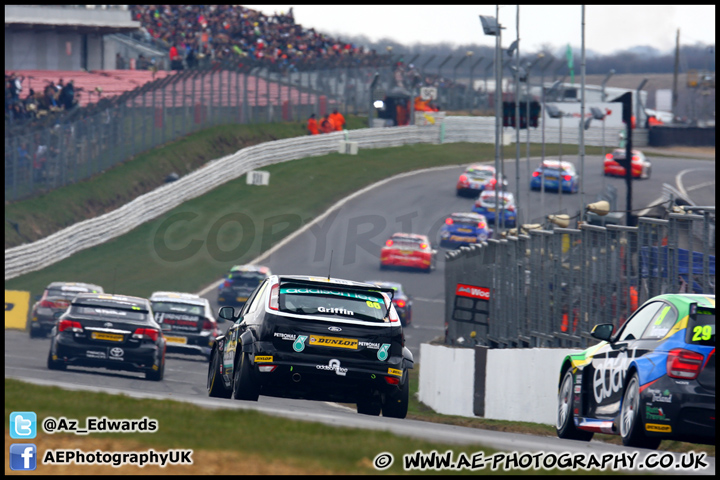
517,115
582,114
498,115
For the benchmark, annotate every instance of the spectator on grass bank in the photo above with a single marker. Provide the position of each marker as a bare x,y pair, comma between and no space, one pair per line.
119,62
338,120
312,125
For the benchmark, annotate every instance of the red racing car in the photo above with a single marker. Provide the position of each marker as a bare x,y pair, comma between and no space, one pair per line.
641,167
408,250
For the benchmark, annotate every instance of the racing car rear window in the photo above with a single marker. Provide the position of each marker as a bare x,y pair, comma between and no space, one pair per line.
479,173
246,279
66,292
179,308
326,300
465,222
107,312
701,327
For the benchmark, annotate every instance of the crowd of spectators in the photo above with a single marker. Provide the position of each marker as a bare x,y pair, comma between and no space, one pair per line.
54,97
233,32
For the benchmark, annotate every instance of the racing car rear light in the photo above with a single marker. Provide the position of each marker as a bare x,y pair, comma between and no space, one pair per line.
267,368
65,324
146,333
481,224
423,246
207,325
567,178
389,243
392,315
274,297
392,380
448,221
684,364
609,156
226,284
635,158
536,174
399,303
463,179
49,304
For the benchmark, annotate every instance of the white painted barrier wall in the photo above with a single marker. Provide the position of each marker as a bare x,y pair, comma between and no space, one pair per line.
520,384
447,379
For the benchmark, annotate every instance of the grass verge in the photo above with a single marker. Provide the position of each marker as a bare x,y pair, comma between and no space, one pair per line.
249,438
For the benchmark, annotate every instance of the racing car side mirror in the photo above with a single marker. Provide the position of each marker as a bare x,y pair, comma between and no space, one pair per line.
226,313
602,331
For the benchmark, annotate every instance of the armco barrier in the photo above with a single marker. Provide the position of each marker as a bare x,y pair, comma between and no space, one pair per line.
58,246
515,384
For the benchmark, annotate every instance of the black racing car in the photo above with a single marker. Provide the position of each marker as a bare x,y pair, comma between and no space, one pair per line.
113,331
401,300
53,302
240,282
317,339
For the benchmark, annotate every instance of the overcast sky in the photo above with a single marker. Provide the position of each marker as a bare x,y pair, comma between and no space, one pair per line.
607,28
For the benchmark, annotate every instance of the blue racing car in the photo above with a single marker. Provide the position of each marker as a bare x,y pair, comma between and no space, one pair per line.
554,175
485,205
464,229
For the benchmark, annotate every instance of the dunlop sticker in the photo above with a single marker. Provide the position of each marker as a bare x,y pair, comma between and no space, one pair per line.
338,342
263,358
654,427
393,371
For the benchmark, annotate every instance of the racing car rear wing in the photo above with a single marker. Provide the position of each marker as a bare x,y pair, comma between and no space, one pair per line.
339,286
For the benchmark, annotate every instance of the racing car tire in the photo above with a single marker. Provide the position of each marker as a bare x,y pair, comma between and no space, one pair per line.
244,385
156,375
396,405
215,385
369,406
53,365
564,425
631,427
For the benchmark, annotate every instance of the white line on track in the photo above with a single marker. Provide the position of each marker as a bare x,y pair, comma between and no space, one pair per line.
333,404
680,187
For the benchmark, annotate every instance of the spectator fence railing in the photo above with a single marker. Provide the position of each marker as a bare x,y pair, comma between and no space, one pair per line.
550,287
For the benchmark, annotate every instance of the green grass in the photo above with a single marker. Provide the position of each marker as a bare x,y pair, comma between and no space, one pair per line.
251,434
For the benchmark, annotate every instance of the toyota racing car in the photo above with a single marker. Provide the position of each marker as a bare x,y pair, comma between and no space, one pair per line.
117,332
187,322
408,250
53,303
651,380
317,339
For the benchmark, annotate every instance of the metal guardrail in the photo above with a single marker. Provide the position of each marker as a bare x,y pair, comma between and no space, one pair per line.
549,288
